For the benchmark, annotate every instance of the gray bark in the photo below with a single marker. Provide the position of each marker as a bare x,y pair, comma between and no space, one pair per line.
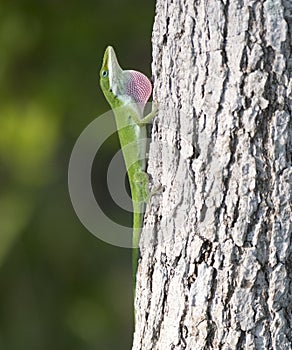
216,259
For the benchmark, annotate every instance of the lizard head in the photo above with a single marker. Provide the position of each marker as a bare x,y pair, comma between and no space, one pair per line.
122,86
110,77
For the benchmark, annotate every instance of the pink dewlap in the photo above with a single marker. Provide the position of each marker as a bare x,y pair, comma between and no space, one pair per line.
139,87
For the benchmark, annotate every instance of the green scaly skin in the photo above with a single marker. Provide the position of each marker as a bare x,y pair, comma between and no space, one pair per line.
132,133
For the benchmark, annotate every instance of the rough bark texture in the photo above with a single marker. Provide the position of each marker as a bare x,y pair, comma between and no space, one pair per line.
215,271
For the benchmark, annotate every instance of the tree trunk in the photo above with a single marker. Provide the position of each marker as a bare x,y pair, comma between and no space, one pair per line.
215,269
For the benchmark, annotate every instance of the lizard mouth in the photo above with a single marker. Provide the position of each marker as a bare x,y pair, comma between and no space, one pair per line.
115,71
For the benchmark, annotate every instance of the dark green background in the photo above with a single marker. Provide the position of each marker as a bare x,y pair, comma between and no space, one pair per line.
60,287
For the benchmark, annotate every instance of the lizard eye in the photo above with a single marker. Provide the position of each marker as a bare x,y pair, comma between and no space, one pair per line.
104,73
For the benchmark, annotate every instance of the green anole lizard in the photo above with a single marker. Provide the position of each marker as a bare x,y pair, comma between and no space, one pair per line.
127,92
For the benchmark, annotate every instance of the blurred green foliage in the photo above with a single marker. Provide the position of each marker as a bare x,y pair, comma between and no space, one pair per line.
60,287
